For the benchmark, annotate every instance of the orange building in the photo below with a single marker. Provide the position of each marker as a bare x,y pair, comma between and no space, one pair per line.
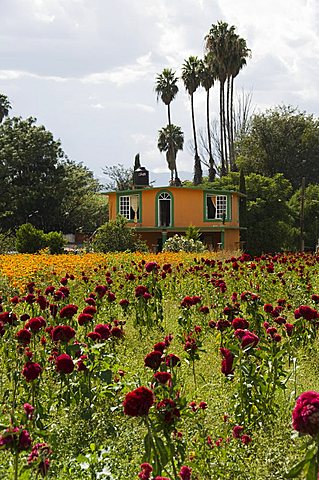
158,213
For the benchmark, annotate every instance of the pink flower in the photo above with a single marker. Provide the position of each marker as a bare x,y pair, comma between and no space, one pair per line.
29,409
305,415
185,473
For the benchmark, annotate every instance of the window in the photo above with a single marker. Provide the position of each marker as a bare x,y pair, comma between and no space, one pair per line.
164,210
129,207
216,207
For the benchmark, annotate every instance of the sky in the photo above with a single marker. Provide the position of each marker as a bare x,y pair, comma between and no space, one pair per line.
86,69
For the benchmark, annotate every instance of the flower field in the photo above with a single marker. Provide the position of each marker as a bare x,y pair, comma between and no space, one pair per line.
159,367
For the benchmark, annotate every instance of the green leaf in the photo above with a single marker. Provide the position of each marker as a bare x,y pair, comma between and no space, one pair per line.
312,473
297,469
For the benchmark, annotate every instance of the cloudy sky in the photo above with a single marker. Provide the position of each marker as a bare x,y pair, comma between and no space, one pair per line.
86,68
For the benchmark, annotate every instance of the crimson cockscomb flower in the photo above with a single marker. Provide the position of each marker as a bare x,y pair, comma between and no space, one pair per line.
84,318
31,371
68,311
23,336
185,473
227,362
62,333
64,363
162,377
138,402
305,415
153,360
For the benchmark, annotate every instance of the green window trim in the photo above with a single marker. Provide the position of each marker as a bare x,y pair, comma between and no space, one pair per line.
157,225
228,206
129,194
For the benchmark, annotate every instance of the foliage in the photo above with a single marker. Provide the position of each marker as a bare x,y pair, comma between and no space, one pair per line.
4,107
116,236
40,185
120,178
179,243
29,239
281,140
311,215
56,242
171,140
7,242
269,219
192,233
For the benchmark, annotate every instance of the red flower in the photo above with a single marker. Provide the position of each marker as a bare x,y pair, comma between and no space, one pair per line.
31,371
153,360
104,330
69,311
151,266
94,336
117,332
90,309
35,324
246,439
168,409
289,328
23,336
84,318
42,302
172,360
240,323
227,362
140,290
145,472
24,440
185,473
138,402
64,363
100,290
160,346
305,416
29,409
268,308
237,431
162,377
62,333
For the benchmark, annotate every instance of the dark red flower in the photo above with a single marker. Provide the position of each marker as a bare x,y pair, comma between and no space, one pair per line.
146,470
100,290
29,409
94,336
168,409
90,301
289,328
172,360
35,324
227,362
268,308
68,311
31,371
104,330
240,323
153,360
160,346
64,363
237,431
305,416
185,473
117,332
245,439
140,290
151,266
138,402
162,377
124,303
49,290
23,336
90,309
62,333
84,318
24,440
42,302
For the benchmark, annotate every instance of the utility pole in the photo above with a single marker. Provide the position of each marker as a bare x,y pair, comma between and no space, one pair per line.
302,215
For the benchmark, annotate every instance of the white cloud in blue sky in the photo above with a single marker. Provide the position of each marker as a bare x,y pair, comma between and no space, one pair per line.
86,68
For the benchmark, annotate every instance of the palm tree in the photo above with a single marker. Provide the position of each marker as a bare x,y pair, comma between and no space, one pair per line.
207,78
166,88
191,78
4,107
227,53
170,140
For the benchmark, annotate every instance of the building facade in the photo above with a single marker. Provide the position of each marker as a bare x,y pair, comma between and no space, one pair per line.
158,213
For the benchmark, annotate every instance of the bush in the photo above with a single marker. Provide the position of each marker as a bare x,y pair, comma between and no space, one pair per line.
115,236
29,239
7,243
183,244
56,242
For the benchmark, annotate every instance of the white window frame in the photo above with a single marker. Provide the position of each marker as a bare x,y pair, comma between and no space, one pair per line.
125,206
220,204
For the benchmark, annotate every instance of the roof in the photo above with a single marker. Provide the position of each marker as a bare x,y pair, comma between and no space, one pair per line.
214,190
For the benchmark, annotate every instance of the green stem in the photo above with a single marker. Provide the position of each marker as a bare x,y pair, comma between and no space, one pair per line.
16,466
194,375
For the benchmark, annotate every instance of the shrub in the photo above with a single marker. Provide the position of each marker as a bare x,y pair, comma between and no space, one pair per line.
182,244
7,243
29,239
115,236
55,241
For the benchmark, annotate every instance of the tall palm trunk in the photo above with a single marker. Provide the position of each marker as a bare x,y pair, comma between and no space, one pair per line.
211,171
222,158
223,129
228,113
194,128
232,133
169,114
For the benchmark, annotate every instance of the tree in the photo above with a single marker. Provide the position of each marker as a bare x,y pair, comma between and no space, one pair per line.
207,77
281,140
191,78
269,219
39,184
311,215
166,88
4,107
115,236
120,178
226,53
171,140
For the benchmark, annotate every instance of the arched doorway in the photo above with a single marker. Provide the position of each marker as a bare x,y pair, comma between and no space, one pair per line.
164,209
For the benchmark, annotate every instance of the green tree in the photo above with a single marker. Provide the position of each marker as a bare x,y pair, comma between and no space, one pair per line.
115,236
171,140
269,219
29,239
311,215
4,107
166,89
39,184
191,77
281,140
